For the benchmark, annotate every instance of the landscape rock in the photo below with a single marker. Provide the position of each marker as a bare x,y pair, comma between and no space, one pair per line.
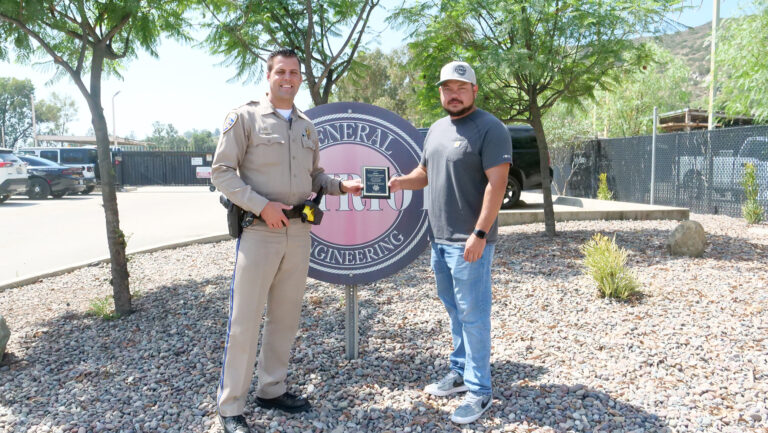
687,239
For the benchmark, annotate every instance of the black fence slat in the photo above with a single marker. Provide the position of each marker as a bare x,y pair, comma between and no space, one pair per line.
700,170
141,168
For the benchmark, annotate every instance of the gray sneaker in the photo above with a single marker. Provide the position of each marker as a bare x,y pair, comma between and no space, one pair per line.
450,384
471,408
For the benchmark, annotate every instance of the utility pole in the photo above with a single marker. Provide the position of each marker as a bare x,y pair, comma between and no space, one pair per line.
114,131
34,125
653,153
2,132
712,70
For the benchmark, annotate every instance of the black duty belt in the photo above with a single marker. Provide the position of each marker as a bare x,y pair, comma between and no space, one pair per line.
237,219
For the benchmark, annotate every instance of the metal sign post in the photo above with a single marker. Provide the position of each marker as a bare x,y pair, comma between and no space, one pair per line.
350,328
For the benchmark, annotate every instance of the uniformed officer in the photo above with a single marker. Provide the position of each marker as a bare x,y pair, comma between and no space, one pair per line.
266,162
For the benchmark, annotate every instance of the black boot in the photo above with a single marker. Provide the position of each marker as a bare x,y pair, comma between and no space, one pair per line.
286,402
234,424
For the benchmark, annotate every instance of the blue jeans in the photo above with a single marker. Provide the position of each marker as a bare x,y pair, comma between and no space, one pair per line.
465,289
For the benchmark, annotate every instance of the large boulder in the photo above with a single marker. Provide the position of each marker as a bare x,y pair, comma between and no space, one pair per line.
5,335
687,239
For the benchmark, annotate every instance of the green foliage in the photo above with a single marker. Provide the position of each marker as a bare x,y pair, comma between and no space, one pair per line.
751,210
102,307
77,33
531,53
86,39
326,35
741,57
166,137
606,263
16,110
603,193
387,80
54,115
626,109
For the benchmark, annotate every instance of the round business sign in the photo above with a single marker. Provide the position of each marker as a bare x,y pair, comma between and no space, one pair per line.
362,240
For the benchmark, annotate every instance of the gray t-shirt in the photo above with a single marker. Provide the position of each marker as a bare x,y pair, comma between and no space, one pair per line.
456,155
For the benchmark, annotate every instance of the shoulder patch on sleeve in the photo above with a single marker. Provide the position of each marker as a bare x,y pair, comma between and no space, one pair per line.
229,122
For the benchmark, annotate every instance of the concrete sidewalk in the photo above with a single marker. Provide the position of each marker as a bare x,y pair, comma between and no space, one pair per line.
531,210
41,238
48,237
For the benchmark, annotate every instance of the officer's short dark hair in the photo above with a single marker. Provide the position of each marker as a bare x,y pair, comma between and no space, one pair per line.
282,52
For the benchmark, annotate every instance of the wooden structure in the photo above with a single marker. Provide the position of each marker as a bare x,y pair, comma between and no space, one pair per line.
690,119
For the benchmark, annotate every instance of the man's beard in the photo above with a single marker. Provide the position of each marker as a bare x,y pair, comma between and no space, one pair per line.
462,111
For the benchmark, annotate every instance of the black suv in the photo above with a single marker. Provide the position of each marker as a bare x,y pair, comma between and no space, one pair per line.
525,172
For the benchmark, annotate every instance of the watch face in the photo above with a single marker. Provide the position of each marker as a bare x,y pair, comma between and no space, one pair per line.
480,234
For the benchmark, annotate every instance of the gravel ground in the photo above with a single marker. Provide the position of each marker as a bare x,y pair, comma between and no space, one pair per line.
691,354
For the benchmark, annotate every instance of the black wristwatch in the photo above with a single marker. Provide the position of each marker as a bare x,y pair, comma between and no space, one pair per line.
479,233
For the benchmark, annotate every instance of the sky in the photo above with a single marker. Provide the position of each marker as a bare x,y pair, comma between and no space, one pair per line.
190,89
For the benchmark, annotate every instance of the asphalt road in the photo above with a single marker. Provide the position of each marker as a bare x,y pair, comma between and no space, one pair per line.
38,237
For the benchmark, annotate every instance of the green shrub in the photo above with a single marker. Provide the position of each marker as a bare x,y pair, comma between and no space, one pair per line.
751,210
603,193
607,264
102,307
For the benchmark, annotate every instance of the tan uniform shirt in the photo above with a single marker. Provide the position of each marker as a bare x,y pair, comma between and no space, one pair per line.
263,157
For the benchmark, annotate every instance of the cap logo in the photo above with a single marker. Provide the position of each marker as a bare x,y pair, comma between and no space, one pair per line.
460,69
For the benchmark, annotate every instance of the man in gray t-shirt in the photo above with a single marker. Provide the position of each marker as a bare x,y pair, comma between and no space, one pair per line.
465,163
457,152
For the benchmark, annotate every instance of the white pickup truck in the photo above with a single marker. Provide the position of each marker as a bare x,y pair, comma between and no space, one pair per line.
727,170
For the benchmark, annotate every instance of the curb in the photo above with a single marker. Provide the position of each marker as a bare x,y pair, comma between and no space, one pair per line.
31,279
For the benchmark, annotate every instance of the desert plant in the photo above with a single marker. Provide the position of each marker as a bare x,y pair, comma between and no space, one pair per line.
607,264
603,193
102,307
751,210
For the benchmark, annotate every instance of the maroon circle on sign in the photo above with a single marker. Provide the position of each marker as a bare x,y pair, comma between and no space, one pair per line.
364,240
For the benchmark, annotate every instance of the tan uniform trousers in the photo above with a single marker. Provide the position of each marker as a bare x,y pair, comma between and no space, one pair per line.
271,268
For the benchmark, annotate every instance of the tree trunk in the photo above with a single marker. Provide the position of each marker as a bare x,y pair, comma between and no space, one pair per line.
538,128
115,236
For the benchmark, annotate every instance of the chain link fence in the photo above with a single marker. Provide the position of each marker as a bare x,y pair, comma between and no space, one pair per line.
700,170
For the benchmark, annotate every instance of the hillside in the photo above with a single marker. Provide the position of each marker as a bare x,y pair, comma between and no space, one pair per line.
693,46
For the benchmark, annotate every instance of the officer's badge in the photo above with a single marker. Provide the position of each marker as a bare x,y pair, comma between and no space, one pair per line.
456,143
229,122
308,134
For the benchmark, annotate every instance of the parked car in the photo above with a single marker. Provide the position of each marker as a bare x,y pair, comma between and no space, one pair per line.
727,169
85,158
525,172
13,175
48,178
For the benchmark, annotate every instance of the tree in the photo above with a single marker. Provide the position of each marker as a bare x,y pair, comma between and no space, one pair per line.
567,128
326,35
86,39
626,110
15,110
620,111
386,80
166,136
532,54
742,54
202,140
56,114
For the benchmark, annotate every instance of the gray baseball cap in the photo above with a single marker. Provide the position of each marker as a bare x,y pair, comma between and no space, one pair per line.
457,71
